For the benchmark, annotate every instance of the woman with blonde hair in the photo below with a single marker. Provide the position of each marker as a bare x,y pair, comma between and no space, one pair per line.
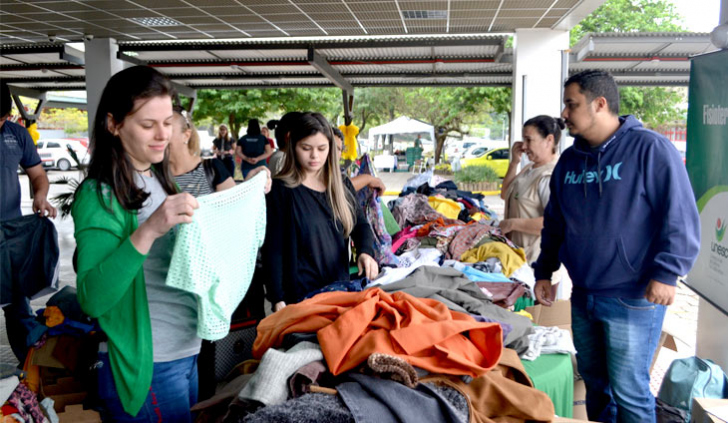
224,148
315,212
193,174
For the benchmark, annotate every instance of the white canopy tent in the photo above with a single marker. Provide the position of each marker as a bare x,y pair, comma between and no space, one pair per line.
401,125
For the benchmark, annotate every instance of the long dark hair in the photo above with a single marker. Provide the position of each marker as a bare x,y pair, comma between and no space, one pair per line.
110,164
547,125
283,127
253,128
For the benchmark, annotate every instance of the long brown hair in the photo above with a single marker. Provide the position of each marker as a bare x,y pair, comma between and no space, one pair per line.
340,199
110,164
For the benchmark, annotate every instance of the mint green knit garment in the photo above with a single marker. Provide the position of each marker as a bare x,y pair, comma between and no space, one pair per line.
214,256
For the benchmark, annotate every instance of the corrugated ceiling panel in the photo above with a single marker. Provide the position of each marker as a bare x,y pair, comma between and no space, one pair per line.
260,54
37,58
419,67
689,48
604,48
151,56
23,74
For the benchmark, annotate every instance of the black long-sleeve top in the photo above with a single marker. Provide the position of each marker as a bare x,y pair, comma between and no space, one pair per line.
304,248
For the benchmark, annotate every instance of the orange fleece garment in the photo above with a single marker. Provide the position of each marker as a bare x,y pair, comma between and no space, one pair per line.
351,326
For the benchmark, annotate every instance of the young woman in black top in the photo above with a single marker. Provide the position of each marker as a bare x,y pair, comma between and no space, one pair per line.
312,213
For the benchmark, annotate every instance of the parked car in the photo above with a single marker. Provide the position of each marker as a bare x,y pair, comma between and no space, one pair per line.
458,148
54,153
497,158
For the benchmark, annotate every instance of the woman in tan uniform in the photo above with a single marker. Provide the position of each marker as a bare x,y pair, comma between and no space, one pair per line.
527,192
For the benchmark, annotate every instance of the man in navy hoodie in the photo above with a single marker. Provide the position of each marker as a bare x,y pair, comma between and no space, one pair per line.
623,221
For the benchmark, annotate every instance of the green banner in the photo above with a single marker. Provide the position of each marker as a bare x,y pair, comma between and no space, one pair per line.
707,164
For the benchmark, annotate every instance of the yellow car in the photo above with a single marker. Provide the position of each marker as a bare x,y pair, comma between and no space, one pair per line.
496,158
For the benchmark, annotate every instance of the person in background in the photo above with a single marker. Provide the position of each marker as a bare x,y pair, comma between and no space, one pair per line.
266,133
527,193
623,219
192,174
224,149
359,181
124,213
315,213
281,128
253,148
17,149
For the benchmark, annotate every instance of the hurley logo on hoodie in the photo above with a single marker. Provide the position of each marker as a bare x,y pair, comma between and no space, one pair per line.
607,174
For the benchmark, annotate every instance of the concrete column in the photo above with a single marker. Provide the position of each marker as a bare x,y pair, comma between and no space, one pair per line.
537,75
101,64
711,340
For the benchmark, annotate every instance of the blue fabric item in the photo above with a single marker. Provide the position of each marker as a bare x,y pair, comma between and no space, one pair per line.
374,400
620,215
476,275
252,146
505,327
23,330
16,148
354,285
172,394
615,340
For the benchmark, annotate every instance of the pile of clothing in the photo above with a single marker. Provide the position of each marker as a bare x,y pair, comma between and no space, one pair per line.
377,356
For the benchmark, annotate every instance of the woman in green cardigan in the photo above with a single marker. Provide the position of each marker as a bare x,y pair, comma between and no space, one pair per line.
124,213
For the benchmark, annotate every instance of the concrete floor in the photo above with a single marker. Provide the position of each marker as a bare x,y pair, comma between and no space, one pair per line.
681,319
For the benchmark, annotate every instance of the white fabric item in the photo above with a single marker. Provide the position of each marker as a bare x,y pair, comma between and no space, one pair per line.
269,384
47,406
525,274
214,256
413,259
548,340
7,386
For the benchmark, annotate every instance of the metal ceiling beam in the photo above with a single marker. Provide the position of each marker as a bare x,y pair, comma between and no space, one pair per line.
320,63
40,67
283,76
305,45
583,51
70,54
327,85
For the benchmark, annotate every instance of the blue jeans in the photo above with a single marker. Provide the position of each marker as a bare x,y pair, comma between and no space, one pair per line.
20,322
172,394
615,340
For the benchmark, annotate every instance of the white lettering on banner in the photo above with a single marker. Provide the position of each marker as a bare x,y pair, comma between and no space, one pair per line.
715,115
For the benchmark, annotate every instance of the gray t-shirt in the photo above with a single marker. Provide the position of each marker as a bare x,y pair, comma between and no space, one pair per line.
173,312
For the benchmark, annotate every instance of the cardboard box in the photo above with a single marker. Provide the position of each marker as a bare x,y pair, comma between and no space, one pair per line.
559,314
580,400
66,391
702,406
76,414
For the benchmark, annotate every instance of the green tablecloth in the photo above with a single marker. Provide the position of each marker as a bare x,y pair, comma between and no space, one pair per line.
553,374
522,303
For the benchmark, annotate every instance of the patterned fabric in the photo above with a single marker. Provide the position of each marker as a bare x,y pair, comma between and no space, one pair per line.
26,402
368,200
466,239
216,261
415,209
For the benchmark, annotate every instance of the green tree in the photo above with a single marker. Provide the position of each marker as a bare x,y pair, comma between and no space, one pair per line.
655,106
236,107
452,110
73,121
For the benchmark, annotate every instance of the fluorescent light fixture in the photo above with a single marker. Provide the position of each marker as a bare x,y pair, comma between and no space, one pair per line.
156,21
